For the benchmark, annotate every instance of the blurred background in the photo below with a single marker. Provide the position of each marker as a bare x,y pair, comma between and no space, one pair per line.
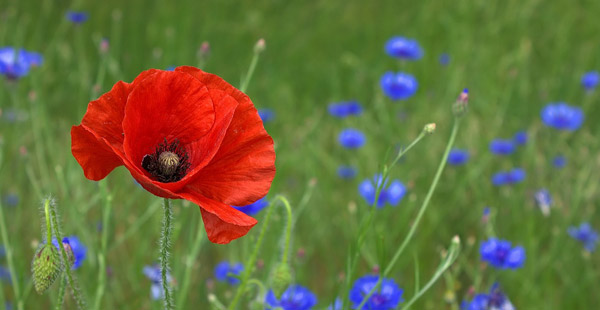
514,56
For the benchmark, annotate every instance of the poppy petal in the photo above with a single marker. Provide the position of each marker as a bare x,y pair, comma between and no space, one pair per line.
95,157
104,116
223,223
243,168
165,105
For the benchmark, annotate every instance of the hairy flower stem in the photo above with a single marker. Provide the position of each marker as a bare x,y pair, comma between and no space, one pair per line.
165,243
368,221
102,254
64,258
9,259
251,262
422,209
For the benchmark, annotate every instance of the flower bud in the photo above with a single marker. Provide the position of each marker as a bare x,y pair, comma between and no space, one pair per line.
461,104
259,46
282,278
429,128
46,267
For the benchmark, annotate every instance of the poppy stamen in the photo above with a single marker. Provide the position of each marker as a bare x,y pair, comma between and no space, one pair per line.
168,163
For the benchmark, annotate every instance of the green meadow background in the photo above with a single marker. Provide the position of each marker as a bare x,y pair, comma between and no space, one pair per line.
515,56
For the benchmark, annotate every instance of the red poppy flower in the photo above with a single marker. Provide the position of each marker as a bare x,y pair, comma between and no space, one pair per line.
183,134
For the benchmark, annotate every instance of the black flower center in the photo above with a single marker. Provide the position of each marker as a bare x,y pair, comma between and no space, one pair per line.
168,163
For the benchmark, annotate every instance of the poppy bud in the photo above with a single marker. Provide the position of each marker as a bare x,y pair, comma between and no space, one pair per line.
46,267
282,278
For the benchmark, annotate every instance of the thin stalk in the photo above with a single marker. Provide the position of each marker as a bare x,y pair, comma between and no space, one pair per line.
436,179
198,242
9,259
251,262
102,254
422,209
65,259
251,69
165,242
365,224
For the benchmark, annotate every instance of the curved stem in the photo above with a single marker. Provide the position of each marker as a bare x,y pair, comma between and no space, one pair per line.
165,242
102,255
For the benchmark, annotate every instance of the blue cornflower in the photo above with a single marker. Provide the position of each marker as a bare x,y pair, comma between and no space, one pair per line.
295,297
590,80
392,194
170,68
543,200
502,147
15,64
346,172
501,254
77,17
266,115
255,207
495,300
562,116
78,249
398,86
5,274
344,109
444,59
352,138
387,297
153,273
559,161
228,272
458,157
516,175
521,138
403,48
10,199
586,234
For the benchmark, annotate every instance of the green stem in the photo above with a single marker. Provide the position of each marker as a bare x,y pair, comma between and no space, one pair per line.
165,243
450,259
102,254
415,224
250,72
436,179
48,225
65,259
198,242
9,259
365,224
251,262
